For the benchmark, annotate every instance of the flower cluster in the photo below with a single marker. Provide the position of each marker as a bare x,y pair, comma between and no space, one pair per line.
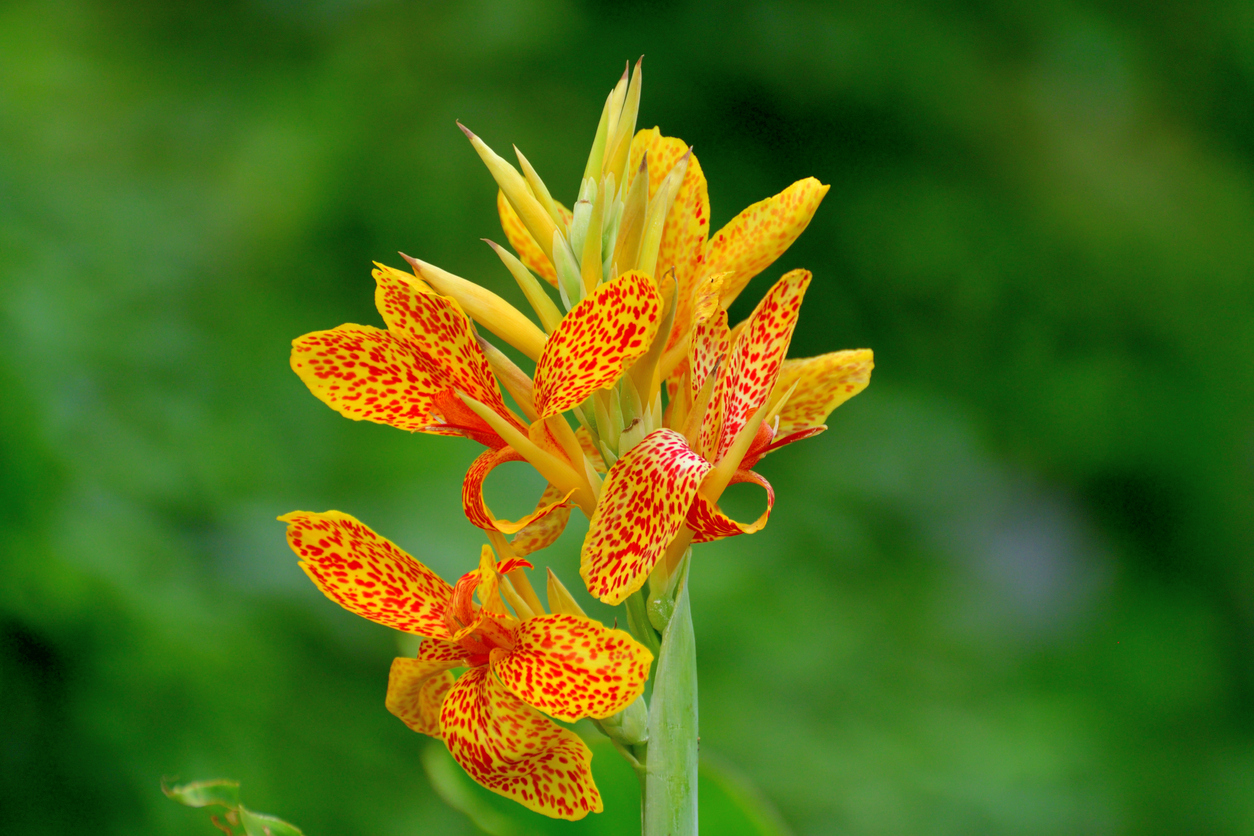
644,405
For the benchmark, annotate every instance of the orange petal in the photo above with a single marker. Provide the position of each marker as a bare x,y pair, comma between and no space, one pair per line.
644,500
708,521
572,667
416,690
437,328
515,751
476,508
529,252
367,574
369,375
753,364
543,531
757,236
596,342
826,382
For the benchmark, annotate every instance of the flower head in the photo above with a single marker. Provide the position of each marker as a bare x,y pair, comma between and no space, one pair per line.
517,665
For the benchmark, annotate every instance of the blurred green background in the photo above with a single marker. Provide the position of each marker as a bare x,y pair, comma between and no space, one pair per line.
1009,592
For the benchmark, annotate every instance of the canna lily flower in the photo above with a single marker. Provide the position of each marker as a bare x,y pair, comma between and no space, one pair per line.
516,665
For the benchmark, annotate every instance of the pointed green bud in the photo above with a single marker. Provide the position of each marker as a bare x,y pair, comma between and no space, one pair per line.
659,208
582,214
534,216
631,224
618,148
539,190
569,284
630,726
560,599
590,258
595,157
617,96
536,295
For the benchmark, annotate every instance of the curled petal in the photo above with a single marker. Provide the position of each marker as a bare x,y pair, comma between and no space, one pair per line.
752,240
571,667
542,531
436,327
515,751
708,521
367,574
644,500
596,342
476,508
416,690
753,364
826,382
369,375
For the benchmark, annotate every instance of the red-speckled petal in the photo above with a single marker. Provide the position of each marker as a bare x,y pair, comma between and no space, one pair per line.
416,690
571,667
436,327
710,341
596,341
370,375
752,240
367,574
824,383
515,751
543,531
644,500
476,508
708,521
754,361
510,564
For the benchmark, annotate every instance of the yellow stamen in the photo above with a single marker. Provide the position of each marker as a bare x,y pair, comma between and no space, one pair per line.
484,307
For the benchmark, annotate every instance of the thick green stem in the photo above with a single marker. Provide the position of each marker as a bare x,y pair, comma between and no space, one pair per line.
670,800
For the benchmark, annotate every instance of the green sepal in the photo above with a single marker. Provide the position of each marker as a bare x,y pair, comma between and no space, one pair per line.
259,824
205,793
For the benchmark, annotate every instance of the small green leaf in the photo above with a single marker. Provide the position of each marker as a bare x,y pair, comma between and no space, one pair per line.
204,793
259,824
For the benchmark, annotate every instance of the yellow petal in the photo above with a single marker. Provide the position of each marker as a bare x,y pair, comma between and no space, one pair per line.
367,574
476,508
643,503
572,667
513,750
596,342
826,382
752,240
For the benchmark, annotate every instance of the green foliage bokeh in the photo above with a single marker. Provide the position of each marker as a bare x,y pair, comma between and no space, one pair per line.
1008,592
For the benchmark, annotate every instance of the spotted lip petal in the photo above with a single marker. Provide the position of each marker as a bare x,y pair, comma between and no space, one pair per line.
476,508
596,341
571,667
710,340
416,690
708,522
513,750
367,574
644,501
753,364
752,240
